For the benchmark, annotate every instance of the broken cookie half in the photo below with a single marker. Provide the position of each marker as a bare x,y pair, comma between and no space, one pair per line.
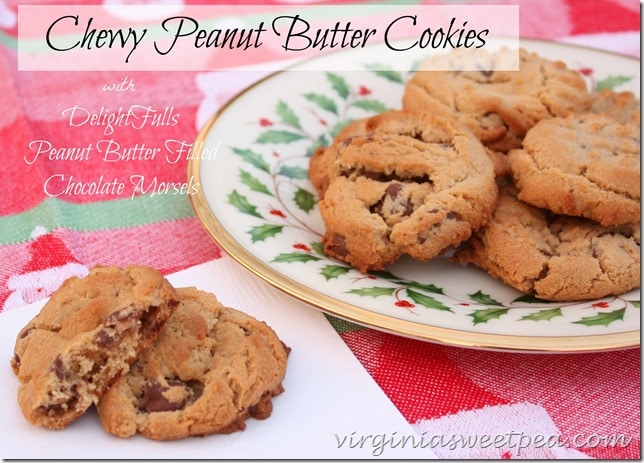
85,337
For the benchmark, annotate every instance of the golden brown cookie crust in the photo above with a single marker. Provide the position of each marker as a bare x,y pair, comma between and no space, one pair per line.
210,368
499,107
85,337
414,184
584,165
555,257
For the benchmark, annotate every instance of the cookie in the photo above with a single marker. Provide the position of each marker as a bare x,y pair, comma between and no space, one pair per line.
414,184
85,337
210,368
321,163
621,106
584,165
498,106
555,257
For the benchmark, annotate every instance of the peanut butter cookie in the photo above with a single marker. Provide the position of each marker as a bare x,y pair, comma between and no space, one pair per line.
555,257
498,106
210,368
583,165
85,337
413,184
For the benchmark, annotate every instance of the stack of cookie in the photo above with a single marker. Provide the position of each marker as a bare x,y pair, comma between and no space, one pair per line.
523,173
163,362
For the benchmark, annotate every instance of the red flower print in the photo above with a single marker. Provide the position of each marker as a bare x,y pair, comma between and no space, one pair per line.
277,212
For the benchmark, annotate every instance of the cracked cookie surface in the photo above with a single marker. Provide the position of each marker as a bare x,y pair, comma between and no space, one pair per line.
555,257
583,165
412,184
85,337
210,368
499,107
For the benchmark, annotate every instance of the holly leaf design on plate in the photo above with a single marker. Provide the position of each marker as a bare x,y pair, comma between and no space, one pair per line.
373,291
429,287
318,247
253,183
426,301
483,298
547,314
636,304
279,136
529,299
485,315
294,172
370,105
602,318
261,232
290,257
242,204
339,85
333,271
612,82
322,101
304,199
287,115
252,158
391,75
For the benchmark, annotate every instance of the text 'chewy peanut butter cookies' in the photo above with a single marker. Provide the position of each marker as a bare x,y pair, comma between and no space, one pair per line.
555,257
413,184
210,368
85,337
498,106
582,165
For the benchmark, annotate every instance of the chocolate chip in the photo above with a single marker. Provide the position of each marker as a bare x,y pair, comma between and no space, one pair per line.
58,367
337,245
127,314
393,190
104,339
154,399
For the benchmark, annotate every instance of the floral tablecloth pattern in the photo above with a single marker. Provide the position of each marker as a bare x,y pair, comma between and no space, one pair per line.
589,402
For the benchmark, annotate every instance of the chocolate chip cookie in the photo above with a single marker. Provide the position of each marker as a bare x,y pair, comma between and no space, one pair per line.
583,165
321,163
554,257
85,337
498,106
210,368
415,184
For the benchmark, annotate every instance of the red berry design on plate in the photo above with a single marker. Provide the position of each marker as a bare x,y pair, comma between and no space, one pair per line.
302,247
265,122
364,91
404,304
278,213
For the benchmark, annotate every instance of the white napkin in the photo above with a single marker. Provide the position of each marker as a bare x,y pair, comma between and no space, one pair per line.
331,407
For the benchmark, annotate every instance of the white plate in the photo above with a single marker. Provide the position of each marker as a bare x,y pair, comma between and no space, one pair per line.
257,203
